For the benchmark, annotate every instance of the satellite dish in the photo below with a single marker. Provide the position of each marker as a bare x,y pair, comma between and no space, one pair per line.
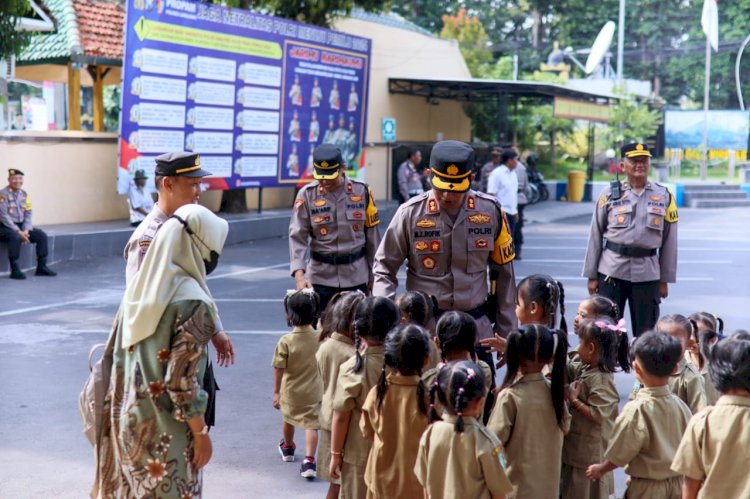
600,47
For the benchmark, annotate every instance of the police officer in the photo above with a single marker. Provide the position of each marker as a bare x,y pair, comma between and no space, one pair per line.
632,248
16,228
449,236
335,217
409,179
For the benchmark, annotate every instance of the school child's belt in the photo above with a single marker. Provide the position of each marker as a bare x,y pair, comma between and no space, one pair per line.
337,259
629,250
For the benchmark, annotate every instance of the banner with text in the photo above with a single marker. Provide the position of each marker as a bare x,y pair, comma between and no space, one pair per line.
253,94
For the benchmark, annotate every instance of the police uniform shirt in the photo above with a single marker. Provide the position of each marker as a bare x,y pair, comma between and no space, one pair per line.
139,197
647,433
448,259
334,223
395,429
648,220
301,386
140,240
523,182
687,384
409,181
15,208
484,174
714,449
451,464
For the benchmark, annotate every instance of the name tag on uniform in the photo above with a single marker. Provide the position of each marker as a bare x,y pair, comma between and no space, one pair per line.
656,210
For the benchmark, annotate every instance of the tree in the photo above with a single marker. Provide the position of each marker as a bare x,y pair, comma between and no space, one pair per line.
471,36
12,41
631,121
315,12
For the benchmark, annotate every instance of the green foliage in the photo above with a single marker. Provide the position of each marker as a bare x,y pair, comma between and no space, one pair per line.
575,145
631,121
12,41
471,36
316,12
112,107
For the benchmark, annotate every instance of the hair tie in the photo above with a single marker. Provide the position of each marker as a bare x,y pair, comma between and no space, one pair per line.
554,342
461,390
470,373
432,406
459,414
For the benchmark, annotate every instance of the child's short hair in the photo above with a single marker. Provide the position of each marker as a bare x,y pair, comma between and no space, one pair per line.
549,293
604,307
457,331
729,365
657,353
301,307
373,318
611,340
406,348
457,385
418,306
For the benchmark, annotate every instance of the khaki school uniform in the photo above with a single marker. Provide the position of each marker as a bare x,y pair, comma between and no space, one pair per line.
644,441
451,464
586,441
712,394
333,352
524,420
395,430
351,391
688,385
714,449
429,377
301,387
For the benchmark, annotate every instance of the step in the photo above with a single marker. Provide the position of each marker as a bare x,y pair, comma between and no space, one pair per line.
710,187
715,195
719,203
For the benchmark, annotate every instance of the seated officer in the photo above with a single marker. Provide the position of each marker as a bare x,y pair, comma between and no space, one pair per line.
16,228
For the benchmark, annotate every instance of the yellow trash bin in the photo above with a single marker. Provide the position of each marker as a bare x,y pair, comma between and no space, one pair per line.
576,181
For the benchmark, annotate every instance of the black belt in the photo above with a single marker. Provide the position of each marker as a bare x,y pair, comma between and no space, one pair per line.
629,250
476,312
337,259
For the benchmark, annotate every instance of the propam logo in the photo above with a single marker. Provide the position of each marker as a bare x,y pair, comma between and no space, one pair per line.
182,6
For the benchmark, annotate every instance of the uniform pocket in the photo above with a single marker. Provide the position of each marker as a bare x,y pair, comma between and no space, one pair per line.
428,256
655,218
620,216
322,226
478,253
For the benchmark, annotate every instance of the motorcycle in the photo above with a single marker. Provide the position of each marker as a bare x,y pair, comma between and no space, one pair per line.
537,189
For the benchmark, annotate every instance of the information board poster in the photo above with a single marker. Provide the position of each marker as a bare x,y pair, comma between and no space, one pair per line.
253,94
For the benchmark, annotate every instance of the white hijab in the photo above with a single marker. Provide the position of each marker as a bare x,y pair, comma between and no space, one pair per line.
173,270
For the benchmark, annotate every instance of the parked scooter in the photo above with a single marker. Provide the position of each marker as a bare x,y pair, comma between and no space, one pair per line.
537,190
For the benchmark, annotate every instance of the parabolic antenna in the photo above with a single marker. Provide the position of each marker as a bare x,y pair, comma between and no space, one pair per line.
600,46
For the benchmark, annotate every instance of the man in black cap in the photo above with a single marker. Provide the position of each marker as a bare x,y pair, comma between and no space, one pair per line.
16,228
632,248
335,217
140,201
178,178
450,236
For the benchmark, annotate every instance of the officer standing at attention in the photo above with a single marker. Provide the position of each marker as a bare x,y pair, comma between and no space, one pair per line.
409,179
632,248
16,228
449,236
336,218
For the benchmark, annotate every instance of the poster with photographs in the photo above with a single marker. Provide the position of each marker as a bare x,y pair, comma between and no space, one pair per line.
253,94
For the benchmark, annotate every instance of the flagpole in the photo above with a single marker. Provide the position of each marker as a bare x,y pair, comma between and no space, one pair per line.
704,162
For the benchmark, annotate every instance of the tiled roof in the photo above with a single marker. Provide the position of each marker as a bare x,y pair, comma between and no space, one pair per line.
100,26
85,28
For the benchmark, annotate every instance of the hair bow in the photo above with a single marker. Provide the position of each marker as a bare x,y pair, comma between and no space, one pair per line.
618,328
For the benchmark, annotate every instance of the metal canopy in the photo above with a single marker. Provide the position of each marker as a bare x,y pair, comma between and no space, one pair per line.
475,89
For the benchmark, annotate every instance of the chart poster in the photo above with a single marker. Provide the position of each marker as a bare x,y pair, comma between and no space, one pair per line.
253,94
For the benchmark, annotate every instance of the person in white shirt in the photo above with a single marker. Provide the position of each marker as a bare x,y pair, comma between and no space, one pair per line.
140,201
503,185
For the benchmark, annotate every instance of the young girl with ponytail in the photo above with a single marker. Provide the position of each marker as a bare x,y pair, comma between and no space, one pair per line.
458,456
394,415
530,416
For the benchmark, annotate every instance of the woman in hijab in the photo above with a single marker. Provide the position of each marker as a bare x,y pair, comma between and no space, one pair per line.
154,440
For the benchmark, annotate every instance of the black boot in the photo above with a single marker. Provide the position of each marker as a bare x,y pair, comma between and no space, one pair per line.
42,269
15,272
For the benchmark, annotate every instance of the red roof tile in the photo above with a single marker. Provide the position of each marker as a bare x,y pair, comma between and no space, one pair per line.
100,25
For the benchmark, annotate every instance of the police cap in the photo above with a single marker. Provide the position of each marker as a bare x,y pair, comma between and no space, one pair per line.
451,163
184,164
327,162
634,150
14,171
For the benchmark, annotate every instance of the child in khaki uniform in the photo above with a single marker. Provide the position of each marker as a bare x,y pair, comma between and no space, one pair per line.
335,349
395,415
374,317
416,307
717,438
686,383
458,456
709,330
649,429
593,401
530,417
297,385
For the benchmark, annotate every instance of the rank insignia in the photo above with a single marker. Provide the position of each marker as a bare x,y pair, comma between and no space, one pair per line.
621,219
656,221
481,243
297,204
323,231
2,199
622,209
321,191
602,200
357,227
358,215
434,246
426,223
420,246
480,218
356,199
470,203
432,207
349,187
321,219
428,262
319,202
655,197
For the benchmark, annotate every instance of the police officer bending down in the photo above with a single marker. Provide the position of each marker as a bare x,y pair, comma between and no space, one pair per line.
632,249
449,236
335,217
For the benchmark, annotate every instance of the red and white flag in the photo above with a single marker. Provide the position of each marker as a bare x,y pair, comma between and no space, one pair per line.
710,22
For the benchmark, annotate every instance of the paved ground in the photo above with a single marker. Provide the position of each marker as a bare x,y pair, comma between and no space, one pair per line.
47,326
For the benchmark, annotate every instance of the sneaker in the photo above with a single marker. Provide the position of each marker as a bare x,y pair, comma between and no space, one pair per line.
308,469
287,453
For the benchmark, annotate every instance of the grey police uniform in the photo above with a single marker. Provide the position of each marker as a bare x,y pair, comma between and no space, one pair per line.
140,240
409,181
632,247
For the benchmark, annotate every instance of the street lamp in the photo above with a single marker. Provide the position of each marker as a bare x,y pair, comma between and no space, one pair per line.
737,71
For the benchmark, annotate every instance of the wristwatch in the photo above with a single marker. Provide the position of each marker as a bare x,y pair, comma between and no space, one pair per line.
204,431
